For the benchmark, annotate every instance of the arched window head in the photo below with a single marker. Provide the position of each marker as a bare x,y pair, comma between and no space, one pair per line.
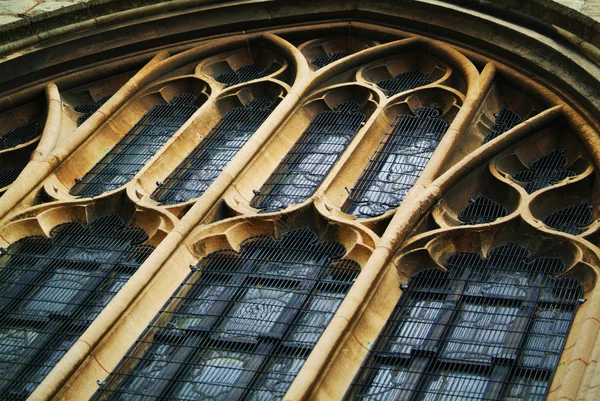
487,329
241,325
138,146
204,164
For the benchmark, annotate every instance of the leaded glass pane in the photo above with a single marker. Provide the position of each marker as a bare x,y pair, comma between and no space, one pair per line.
310,159
453,386
138,146
53,288
479,332
397,163
204,164
241,325
487,329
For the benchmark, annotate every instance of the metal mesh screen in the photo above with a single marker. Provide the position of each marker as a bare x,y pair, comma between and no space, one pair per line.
505,120
488,329
244,74
310,159
51,289
200,168
20,135
321,62
403,82
573,219
482,210
393,169
9,176
241,325
545,171
138,146
89,109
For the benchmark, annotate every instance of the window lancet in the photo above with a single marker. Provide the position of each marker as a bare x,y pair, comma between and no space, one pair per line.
200,168
53,288
395,166
488,329
138,146
241,325
310,159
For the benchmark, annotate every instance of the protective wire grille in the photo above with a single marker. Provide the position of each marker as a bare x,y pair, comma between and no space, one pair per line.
545,171
195,174
572,220
20,135
321,62
51,289
241,325
310,159
138,146
481,210
505,120
403,82
393,169
89,109
488,329
244,74
9,176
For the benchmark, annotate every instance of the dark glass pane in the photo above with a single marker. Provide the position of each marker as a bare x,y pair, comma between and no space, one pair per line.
320,62
20,135
51,291
482,210
573,219
489,335
310,159
204,164
89,108
138,146
393,169
505,120
239,328
403,82
9,176
545,171
243,74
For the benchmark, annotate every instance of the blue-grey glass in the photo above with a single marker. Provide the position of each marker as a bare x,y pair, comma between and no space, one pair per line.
396,165
53,288
204,164
455,386
240,327
131,153
494,331
310,159
545,171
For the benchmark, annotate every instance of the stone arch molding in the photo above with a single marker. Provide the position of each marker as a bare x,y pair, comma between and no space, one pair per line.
411,144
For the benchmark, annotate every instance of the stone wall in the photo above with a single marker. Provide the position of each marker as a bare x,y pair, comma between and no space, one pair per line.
15,10
591,8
